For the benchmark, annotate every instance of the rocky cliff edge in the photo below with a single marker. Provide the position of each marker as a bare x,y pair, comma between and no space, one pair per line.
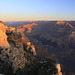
13,49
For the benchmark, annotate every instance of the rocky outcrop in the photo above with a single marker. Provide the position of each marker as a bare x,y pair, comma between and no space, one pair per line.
5,28
58,69
27,27
3,40
14,49
2,24
66,24
60,22
32,47
3,37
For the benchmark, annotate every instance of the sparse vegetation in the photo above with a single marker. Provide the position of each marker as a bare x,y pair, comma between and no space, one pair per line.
39,67
5,68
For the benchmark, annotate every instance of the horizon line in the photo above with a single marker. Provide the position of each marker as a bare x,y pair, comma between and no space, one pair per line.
37,20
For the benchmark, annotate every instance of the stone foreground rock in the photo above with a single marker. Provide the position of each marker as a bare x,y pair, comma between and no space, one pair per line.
14,49
58,69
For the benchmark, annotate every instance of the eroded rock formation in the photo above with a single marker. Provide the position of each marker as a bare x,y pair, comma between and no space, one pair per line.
13,48
66,24
27,27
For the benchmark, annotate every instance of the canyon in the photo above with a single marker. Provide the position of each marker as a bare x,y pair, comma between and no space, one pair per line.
46,39
53,38
18,54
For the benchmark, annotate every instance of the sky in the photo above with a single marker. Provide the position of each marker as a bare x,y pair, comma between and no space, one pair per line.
29,10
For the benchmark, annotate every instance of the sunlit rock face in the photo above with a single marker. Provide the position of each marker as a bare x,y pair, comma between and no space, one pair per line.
9,29
27,27
67,24
58,69
3,37
5,28
2,24
60,22
64,24
32,47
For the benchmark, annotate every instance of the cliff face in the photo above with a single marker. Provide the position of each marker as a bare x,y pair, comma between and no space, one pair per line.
3,37
13,49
